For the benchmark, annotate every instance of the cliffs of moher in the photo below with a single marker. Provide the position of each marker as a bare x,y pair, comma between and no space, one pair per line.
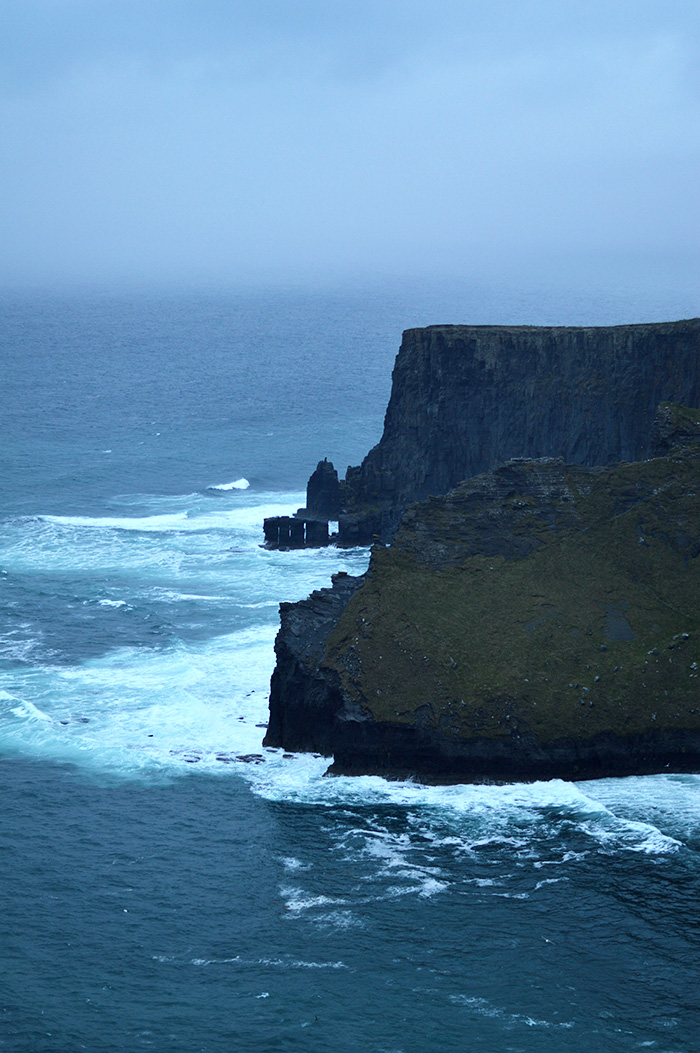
532,604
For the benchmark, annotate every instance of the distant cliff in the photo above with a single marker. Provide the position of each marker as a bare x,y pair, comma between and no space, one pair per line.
539,621
466,398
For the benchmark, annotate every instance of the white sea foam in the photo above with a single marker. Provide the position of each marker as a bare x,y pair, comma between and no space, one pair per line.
192,512
207,548
297,900
28,709
141,713
339,919
620,832
392,851
482,1007
284,962
13,647
296,963
237,484
165,522
292,864
132,712
549,881
499,818
671,802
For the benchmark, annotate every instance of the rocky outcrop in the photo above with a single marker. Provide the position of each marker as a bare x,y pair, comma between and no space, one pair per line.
466,398
308,527
301,717
322,493
539,621
294,532
674,428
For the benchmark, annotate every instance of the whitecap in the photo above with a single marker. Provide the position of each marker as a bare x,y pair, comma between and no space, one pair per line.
194,517
549,881
482,1007
430,887
296,963
149,713
339,919
670,801
292,864
166,522
237,484
28,709
297,900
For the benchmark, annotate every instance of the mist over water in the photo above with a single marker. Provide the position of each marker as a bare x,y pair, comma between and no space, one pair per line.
167,882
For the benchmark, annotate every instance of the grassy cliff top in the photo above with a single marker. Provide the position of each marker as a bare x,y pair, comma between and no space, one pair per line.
637,326
543,598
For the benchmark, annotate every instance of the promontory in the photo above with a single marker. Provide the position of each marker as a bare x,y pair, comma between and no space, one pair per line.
532,604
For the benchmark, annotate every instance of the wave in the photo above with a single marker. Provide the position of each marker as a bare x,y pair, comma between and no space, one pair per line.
248,517
475,818
23,708
167,522
137,714
147,714
237,484
482,1007
285,962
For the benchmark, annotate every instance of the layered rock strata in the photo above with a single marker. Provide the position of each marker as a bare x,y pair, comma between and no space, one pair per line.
539,621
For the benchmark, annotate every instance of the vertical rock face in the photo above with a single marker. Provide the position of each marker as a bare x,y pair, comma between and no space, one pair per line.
301,712
323,493
465,398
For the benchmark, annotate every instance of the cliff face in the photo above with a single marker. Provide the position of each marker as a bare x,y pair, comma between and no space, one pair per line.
302,706
466,398
539,621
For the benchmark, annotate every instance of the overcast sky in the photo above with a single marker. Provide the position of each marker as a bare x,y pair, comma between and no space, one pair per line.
237,139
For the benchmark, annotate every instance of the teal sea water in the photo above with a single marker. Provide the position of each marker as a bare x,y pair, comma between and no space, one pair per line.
168,884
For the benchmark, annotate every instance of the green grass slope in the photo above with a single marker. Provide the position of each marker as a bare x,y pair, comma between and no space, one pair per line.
545,599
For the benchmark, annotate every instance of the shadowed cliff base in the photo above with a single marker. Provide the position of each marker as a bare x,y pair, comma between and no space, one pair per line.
539,621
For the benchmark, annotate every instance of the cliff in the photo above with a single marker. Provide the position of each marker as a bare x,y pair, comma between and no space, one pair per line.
466,398
539,621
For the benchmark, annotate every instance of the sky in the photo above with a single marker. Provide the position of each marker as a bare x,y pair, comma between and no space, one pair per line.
244,140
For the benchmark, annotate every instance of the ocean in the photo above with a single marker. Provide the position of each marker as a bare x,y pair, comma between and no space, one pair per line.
166,882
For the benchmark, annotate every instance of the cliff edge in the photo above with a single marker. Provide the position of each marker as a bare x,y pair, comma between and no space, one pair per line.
538,621
466,398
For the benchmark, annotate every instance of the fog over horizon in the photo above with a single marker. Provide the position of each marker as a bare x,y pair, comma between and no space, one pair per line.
174,141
